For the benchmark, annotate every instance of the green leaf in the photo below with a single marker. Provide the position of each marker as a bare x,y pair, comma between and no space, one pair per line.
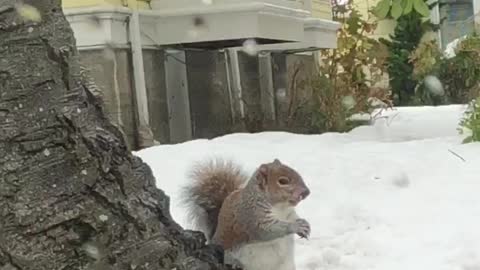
425,19
408,7
468,139
381,9
396,9
421,7
354,23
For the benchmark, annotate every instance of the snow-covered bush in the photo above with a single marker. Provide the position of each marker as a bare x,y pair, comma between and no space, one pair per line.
458,73
427,61
461,73
471,122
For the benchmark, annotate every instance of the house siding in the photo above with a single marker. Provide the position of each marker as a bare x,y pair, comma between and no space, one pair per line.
140,4
322,9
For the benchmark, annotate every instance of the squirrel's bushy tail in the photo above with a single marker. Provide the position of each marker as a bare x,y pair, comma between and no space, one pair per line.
211,182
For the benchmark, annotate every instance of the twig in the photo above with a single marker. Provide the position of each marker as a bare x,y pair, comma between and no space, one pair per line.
389,119
293,88
376,115
460,157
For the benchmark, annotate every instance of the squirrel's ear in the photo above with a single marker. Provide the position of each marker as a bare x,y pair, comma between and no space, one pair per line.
262,176
277,162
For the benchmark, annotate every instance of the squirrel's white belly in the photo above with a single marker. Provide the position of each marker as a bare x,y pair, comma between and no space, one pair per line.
277,254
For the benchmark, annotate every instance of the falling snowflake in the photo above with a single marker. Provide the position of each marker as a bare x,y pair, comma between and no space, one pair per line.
250,47
281,93
28,12
348,102
91,250
434,85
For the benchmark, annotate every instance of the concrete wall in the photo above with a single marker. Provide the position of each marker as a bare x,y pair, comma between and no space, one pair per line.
251,95
153,62
188,94
210,106
111,70
289,100
209,93
292,96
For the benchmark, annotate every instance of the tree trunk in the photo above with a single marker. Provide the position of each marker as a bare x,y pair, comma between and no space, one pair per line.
71,195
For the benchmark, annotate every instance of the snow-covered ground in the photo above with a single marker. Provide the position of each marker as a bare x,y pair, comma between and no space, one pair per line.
401,194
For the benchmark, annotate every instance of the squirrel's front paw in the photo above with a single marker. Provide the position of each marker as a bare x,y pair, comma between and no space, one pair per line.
302,228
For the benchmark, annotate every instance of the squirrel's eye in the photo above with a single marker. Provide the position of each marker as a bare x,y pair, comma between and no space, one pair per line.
283,181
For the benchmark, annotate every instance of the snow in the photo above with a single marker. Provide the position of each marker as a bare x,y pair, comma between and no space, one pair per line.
402,193
411,123
450,49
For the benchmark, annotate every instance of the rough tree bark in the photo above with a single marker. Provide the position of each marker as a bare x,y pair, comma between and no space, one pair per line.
71,195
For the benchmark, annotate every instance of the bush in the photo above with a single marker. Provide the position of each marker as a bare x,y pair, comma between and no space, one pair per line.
406,37
459,75
345,80
471,122
465,75
426,60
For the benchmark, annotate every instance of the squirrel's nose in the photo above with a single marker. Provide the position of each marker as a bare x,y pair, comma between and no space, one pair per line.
305,193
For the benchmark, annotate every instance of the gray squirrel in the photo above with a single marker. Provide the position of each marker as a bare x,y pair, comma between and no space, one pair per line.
252,218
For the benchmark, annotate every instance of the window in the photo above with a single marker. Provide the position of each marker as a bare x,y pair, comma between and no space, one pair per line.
458,19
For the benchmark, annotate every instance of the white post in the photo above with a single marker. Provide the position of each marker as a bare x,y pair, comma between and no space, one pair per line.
144,131
435,19
236,79
267,95
476,14
229,85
